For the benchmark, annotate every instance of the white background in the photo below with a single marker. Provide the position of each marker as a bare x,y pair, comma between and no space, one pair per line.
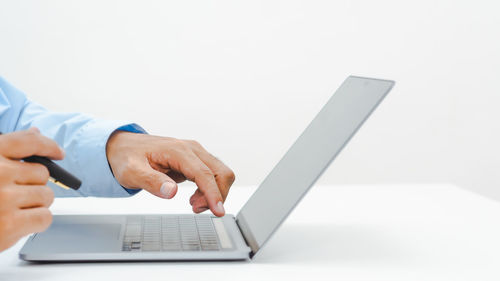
245,77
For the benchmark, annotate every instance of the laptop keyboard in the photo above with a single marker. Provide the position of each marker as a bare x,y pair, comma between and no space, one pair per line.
170,233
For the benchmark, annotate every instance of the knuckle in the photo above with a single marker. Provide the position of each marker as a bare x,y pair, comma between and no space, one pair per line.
185,147
45,218
31,139
48,195
32,132
205,171
229,175
37,173
31,135
175,141
193,143
181,145
42,171
35,129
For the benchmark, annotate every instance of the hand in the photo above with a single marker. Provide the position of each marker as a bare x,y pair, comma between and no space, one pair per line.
24,198
157,164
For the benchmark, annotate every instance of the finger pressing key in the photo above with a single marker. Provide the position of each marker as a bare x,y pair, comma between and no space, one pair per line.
195,170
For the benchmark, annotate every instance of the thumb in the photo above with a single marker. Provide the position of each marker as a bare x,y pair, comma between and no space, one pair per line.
158,183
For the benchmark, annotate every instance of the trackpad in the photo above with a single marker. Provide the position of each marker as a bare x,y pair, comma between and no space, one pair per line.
78,237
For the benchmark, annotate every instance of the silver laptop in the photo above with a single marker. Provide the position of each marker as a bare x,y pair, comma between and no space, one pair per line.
206,237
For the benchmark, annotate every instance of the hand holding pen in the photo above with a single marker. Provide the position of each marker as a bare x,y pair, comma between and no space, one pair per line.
57,175
24,196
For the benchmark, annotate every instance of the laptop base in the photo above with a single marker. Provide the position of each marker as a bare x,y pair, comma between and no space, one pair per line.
73,238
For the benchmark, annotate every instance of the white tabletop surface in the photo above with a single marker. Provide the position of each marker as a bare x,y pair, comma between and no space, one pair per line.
376,232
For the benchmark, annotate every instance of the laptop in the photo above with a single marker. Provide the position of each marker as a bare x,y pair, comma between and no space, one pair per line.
206,237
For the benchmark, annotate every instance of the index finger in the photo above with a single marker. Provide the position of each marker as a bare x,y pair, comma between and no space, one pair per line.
223,175
18,145
195,170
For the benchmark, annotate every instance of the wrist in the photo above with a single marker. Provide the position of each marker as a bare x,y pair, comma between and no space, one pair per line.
126,129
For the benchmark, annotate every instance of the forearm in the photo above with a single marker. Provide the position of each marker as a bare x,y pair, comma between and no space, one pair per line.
83,138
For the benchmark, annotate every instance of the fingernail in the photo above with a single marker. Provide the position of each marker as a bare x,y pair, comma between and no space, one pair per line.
167,188
220,207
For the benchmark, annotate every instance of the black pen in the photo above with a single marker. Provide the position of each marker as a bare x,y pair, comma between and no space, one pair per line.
58,175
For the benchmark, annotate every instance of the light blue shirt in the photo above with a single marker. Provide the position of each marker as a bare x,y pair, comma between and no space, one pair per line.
82,137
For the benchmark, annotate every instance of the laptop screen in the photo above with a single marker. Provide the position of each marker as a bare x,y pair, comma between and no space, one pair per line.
309,157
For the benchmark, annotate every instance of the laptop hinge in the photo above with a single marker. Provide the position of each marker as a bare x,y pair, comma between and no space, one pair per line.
247,234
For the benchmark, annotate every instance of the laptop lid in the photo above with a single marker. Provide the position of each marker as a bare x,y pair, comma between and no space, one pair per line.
309,157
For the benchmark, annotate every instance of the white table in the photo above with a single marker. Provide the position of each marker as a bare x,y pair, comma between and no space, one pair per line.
376,232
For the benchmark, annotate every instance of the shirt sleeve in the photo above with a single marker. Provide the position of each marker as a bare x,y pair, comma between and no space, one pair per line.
83,138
